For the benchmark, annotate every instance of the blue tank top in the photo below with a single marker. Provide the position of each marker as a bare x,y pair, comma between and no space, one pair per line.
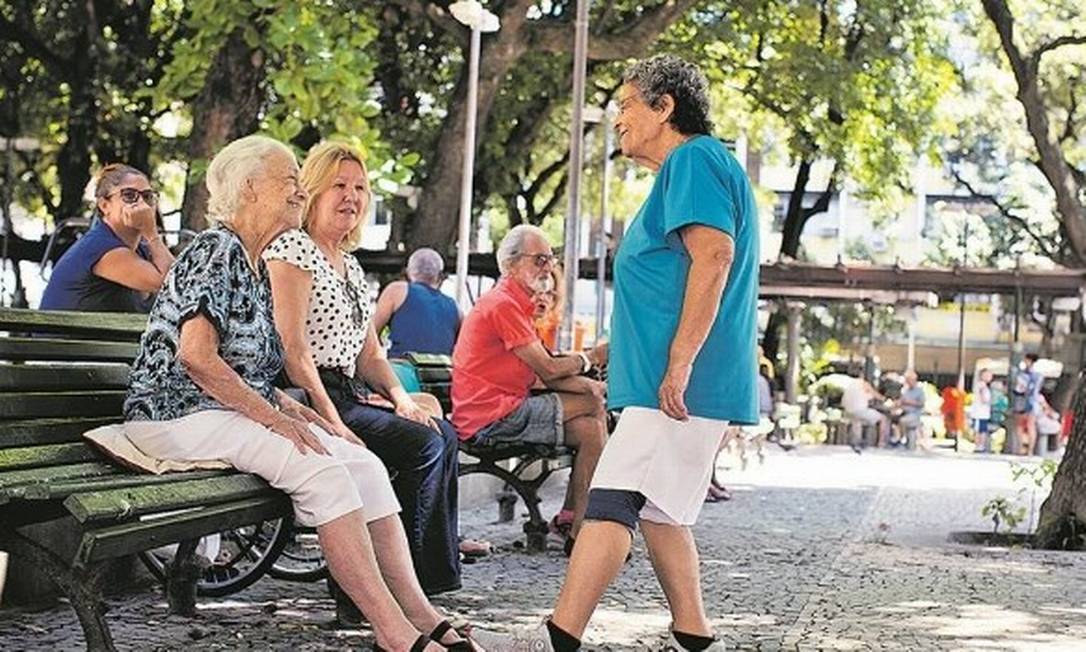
426,322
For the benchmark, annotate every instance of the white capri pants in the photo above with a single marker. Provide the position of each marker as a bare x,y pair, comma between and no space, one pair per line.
322,487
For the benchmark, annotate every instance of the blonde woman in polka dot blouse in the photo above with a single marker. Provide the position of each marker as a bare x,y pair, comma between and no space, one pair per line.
322,313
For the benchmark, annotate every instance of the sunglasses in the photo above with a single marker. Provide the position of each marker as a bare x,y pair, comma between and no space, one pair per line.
131,196
541,260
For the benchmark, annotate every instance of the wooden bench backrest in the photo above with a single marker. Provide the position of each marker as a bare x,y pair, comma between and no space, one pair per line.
61,373
435,376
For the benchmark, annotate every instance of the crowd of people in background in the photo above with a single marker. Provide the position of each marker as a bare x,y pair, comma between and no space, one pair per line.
896,417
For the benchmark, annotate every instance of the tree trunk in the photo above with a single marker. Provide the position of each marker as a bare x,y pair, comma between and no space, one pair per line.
436,220
73,160
771,341
1063,514
794,219
228,107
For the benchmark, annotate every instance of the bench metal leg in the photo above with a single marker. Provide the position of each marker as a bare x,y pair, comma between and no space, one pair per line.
181,576
507,504
82,586
536,527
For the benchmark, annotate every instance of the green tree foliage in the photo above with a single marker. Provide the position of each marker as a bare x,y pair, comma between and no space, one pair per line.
855,83
95,82
75,76
991,153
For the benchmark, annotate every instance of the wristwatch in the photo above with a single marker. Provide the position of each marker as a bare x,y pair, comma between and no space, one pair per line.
587,364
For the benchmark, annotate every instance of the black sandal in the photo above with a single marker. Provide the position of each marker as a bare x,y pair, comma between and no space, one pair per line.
443,628
418,646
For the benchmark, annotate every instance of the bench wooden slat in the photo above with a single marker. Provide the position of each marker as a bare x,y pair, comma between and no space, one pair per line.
36,432
121,480
29,457
129,538
114,325
129,502
47,349
81,471
60,377
31,405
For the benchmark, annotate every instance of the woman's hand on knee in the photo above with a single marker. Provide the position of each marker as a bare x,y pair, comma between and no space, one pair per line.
339,429
298,432
410,410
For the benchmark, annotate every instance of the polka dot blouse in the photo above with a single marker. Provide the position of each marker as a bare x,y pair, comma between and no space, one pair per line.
339,308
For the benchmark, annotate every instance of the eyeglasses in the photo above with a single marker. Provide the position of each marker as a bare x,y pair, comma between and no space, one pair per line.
131,196
541,260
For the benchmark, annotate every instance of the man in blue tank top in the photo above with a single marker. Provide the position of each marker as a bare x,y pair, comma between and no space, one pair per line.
420,318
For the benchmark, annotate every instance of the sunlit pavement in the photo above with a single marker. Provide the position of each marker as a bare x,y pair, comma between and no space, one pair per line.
819,548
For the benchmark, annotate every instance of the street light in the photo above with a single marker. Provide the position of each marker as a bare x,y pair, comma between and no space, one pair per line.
471,14
576,145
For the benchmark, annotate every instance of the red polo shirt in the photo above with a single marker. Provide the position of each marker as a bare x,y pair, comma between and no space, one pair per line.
488,380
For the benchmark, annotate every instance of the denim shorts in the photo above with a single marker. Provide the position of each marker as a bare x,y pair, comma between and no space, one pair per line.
538,420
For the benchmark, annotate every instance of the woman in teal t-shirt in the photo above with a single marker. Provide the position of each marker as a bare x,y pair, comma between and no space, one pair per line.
682,365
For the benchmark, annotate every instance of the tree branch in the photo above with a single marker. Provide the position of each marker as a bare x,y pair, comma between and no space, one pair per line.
1055,44
26,37
556,36
1070,128
1009,215
558,194
439,17
822,204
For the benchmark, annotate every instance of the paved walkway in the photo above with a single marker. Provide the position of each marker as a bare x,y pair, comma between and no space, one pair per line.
820,549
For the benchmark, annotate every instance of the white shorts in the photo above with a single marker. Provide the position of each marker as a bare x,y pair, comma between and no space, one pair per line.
322,487
669,462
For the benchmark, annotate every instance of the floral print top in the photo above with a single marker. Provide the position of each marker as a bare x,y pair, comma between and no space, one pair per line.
213,278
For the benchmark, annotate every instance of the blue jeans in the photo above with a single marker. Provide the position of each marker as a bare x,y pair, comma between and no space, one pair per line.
425,467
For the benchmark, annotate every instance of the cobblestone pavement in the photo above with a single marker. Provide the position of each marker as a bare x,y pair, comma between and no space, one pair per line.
820,549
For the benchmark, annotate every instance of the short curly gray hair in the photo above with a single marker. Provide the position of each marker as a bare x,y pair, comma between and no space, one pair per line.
667,74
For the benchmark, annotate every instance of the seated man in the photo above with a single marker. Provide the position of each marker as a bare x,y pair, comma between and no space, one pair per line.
497,359
856,401
420,318
912,408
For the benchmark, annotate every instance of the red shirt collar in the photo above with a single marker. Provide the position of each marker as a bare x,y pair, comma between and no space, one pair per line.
518,293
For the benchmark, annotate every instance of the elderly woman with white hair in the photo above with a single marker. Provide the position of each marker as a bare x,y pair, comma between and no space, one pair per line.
420,318
202,389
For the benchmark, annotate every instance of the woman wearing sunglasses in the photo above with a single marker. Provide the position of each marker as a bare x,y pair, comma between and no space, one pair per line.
121,260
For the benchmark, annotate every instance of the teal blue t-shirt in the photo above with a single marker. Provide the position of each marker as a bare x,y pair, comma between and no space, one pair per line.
700,182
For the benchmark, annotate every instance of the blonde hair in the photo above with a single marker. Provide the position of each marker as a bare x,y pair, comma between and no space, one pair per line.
320,168
235,164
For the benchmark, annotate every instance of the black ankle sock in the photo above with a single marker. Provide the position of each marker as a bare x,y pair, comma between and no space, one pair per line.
561,640
692,642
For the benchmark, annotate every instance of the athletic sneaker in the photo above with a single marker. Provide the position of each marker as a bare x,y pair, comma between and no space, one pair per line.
534,640
673,645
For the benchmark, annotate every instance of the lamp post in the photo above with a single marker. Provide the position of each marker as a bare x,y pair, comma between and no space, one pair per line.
576,147
471,14
605,221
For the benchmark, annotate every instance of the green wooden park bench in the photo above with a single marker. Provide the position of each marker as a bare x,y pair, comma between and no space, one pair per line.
62,374
532,464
